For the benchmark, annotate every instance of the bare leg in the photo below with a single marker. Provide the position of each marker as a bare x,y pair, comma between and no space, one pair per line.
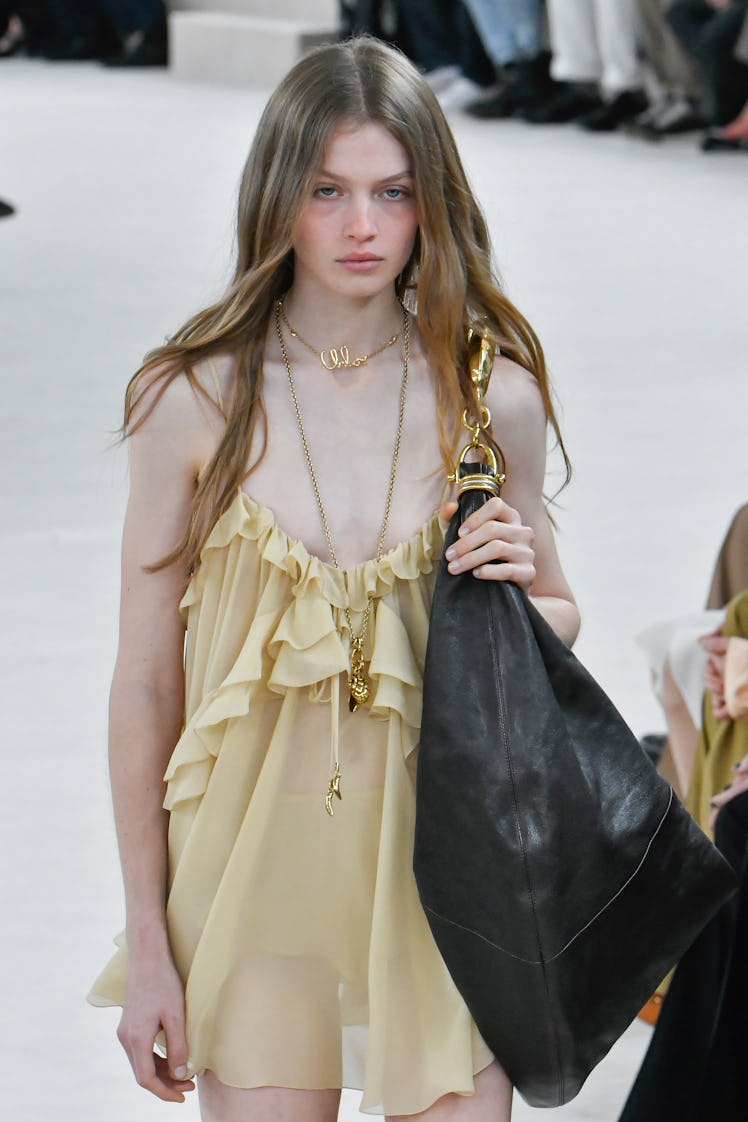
219,1103
492,1102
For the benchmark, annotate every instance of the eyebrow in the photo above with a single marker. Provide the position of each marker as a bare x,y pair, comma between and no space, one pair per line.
405,174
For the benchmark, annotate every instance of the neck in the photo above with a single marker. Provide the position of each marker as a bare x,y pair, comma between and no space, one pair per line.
325,320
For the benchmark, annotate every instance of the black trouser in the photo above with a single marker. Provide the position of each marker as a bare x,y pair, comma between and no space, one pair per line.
710,36
694,1069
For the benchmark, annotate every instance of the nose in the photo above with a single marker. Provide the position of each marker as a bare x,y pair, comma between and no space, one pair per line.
360,222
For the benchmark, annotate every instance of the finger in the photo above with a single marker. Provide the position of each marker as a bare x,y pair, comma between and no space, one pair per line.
180,1087
522,575
494,550
490,531
151,1071
176,1046
495,510
159,1081
715,644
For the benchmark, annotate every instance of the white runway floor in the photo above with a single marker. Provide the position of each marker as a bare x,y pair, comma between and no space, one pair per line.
629,260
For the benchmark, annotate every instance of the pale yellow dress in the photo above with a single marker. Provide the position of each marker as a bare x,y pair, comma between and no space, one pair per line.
306,957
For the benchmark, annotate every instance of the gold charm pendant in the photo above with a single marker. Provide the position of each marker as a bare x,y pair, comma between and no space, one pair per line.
333,791
358,683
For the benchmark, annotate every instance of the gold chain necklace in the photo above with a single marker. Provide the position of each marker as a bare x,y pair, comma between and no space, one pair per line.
359,689
337,358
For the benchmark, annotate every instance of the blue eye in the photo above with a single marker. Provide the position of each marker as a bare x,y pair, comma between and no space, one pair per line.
395,193
326,192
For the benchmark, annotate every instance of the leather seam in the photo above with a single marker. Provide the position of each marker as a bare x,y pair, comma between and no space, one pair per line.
623,887
541,961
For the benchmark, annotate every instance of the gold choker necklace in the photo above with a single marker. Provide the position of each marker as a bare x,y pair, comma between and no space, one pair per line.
359,688
336,358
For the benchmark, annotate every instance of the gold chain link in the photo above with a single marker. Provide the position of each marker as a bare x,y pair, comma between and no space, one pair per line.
358,683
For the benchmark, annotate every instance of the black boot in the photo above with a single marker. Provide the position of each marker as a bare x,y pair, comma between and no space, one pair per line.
571,102
624,107
529,83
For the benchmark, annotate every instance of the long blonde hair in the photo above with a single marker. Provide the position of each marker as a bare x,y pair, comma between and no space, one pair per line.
449,280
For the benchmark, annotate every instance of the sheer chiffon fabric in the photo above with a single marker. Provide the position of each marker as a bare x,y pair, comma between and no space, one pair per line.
306,957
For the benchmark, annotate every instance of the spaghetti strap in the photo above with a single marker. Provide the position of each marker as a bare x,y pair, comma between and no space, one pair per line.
216,384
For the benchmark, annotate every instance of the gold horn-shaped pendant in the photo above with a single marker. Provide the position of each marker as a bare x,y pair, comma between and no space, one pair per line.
333,791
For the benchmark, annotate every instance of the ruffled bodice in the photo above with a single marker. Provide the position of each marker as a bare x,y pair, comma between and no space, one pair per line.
271,901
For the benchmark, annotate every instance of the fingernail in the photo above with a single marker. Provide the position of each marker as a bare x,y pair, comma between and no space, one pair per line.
450,554
463,530
454,567
180,1072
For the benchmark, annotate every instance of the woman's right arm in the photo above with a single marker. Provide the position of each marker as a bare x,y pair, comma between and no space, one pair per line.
146,713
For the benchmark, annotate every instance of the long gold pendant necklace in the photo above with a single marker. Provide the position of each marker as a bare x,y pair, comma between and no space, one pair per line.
337,358
359,689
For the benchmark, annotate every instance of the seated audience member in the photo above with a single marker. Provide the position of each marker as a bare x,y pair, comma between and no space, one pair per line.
595,55
141,30
376,17
512,32
694,1068
678,660
447,47
713,31
723,742
675,87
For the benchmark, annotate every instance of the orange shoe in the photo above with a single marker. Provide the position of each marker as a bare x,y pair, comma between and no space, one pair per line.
651,1011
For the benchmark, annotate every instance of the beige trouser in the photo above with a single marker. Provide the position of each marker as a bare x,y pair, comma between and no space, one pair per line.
672,71
595,41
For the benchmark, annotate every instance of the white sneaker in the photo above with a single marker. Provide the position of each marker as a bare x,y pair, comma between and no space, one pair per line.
461,92
441,77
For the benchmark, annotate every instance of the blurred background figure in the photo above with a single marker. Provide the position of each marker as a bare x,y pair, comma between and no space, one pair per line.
383,18
675,87
140,29
715,35
117,32
512,32
446,45
693,1070
595,51
6,209
678,663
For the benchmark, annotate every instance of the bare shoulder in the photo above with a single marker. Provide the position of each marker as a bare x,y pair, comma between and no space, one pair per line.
516,404
185,399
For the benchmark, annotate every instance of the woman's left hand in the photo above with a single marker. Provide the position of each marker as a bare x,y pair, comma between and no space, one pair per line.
493,533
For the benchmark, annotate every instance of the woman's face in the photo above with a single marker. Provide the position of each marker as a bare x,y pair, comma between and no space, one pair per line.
356,231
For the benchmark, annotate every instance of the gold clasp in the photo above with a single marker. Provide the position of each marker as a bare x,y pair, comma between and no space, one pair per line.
481,352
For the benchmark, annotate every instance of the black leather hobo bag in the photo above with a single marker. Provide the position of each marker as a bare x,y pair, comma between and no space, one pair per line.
560,875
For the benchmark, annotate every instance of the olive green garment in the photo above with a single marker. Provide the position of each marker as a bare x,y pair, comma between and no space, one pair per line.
722,743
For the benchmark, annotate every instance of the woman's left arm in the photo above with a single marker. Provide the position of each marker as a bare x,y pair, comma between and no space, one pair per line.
516,529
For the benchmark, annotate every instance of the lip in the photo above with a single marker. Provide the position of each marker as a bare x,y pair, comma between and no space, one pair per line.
360,262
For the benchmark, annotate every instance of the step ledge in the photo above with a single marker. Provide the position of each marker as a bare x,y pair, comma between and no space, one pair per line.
252,23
